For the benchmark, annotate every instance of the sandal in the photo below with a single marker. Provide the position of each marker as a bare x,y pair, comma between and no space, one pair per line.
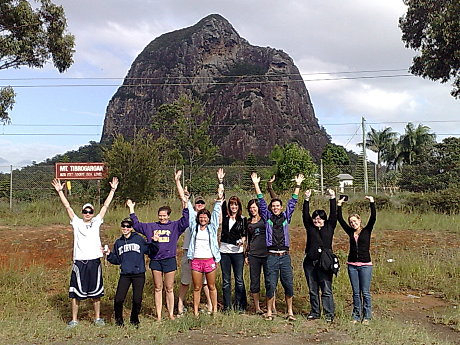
291,318
259,312
268,318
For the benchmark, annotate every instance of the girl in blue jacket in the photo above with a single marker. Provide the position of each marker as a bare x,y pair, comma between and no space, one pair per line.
128,252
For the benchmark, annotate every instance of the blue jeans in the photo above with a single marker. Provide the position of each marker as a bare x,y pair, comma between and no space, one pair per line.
318,279
280,267
235,261
360,279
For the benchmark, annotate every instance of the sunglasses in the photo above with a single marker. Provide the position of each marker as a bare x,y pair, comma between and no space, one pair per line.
127,226
87,212
200,202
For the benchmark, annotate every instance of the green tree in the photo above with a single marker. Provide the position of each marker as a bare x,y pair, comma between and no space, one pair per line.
291,160
7,101
437,168
32,37
186,127
432,27
414,141
337,154
251,166
138,164
380,142
330,170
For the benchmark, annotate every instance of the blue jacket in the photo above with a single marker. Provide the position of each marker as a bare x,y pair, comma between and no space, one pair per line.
268,218
129,253
212,229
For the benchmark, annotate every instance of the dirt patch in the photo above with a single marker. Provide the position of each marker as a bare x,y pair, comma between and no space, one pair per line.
310,334
420,309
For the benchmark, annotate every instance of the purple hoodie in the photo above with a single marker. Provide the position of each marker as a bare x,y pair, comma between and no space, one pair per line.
169,234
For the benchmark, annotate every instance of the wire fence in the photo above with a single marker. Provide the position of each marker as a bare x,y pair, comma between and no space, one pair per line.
19,185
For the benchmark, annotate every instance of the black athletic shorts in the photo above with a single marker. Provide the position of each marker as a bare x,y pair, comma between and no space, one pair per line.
86,279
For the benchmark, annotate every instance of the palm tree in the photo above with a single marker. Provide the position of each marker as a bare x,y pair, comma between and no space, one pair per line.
414,141
381,142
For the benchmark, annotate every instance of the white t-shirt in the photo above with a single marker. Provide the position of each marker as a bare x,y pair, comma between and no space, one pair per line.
86,239
202,245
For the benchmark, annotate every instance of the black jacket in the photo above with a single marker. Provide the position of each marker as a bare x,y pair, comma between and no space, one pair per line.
237,231
359,252
319,238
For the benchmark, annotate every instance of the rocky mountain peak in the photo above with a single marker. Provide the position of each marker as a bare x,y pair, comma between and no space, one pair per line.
256,94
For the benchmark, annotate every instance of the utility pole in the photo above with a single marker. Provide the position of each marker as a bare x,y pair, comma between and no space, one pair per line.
366,181
322,176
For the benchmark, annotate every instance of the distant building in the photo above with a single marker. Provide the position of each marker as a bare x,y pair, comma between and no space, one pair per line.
345,180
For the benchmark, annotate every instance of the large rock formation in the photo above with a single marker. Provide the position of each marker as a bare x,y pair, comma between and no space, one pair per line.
256,95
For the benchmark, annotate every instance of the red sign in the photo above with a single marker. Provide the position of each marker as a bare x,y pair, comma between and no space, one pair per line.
81,171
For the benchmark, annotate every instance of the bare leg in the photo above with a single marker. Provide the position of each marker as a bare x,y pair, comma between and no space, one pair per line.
75,305
158,282
181,298
256,298
270,306
289,305
211,278
208,298
274,304
97,308
197,278
169,287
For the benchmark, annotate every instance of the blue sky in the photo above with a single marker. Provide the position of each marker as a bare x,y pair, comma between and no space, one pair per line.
323,37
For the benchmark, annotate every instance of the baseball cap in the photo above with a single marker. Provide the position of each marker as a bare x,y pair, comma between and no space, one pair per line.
87,205
199,200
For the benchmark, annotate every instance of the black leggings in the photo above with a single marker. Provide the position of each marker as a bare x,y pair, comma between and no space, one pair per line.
124,282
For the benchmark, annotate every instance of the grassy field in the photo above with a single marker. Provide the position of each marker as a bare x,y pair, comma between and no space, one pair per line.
424,268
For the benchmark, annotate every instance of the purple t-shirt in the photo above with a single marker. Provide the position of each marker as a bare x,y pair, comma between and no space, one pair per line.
169,234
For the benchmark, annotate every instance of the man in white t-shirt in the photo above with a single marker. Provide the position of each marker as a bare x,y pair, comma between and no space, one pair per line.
86,277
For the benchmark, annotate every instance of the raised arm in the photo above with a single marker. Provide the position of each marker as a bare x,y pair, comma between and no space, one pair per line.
332,208
256,180
306,217
270,187
138,226
113,188
59,189
345,226
298,182
182,195
373,216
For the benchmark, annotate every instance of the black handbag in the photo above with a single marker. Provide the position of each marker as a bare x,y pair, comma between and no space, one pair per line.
329,262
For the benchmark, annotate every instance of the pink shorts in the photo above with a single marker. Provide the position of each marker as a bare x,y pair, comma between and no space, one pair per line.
203,265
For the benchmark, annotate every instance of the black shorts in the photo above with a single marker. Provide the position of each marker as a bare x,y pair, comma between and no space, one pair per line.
164,265
86,279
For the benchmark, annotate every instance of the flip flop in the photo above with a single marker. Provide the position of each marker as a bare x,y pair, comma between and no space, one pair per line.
259,312
291,318
268,318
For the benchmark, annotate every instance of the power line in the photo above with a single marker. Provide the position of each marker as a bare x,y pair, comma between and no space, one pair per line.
227,125
98,134
198,77
260,82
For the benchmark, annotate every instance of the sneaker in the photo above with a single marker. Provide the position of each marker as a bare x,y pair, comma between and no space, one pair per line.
365,322
329,319
312,317
99,322
72,324
354,322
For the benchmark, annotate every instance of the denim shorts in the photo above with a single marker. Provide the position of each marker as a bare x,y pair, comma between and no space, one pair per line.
164,265
280,267
203,265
